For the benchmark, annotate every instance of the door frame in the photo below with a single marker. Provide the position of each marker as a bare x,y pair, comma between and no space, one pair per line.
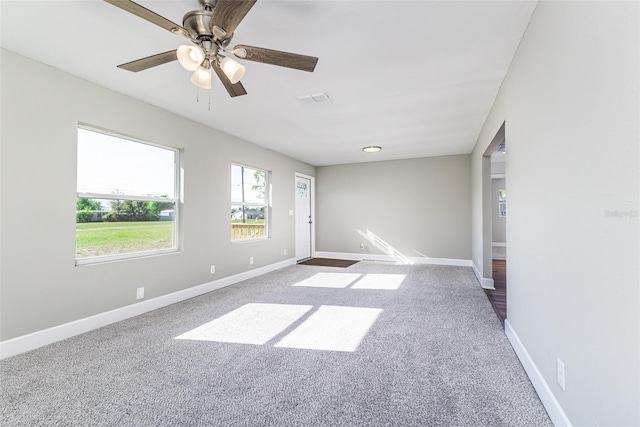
312,200
487,209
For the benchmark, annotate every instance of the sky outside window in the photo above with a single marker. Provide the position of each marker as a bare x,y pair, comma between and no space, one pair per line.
111,165
251,195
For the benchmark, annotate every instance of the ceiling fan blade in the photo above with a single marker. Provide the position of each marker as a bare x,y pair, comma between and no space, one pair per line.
150,16
228,13
276,57
149,61
233,89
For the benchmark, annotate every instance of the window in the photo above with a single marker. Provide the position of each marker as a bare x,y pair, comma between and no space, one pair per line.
502,202
127,197
249,203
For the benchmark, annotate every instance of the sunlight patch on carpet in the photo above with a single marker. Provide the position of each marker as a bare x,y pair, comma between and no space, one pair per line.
389,282
329,280
250,324
332,328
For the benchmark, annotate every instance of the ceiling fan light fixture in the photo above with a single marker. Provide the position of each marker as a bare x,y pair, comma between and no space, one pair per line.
210,29
202,76
190,57
232,69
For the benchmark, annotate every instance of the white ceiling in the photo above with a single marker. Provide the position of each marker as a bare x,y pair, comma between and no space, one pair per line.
415,77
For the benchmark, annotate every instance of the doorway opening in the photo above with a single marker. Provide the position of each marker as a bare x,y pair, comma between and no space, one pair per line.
498,296
495,223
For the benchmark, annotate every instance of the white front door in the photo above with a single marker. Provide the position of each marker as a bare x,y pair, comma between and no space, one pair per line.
304,222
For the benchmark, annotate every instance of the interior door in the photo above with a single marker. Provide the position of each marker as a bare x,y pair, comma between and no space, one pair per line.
304,222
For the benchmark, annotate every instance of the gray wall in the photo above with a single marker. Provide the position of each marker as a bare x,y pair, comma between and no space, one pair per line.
498,223
420,207
570,102
497,167
40,285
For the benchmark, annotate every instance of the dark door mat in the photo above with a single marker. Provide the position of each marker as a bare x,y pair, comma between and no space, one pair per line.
328,262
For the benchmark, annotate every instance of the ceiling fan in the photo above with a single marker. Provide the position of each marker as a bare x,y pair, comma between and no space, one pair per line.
210,30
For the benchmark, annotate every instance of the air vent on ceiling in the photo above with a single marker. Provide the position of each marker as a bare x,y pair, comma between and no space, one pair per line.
315,98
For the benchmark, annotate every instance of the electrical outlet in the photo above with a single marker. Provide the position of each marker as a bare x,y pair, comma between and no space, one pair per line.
213,269
361,246
140,293
285,251
561,376
250,260
290,212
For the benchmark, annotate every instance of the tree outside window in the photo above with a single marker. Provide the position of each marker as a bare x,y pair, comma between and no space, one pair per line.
249,203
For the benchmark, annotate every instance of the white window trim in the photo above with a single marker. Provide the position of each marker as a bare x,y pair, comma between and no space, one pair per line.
178,172
125,197
124,257
266,204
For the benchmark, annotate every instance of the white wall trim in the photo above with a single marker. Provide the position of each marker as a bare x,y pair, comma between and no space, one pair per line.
498,176
401,259
44,337
551,404
499,244
484,282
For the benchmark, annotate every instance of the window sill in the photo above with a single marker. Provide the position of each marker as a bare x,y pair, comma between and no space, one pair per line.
257,239
124,257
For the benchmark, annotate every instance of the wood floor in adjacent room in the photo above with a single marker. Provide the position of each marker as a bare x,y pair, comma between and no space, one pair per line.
498,297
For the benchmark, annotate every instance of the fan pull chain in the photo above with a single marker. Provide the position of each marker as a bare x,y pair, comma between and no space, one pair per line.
210,86
197,86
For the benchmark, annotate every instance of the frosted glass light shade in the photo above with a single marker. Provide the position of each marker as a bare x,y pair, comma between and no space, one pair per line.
232,69
190,57
202,77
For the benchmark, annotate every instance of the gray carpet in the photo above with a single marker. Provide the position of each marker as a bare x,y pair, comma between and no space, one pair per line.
434,355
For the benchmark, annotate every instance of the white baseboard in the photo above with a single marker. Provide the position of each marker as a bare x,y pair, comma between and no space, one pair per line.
484,282
391,258
57,333
551,404
499,244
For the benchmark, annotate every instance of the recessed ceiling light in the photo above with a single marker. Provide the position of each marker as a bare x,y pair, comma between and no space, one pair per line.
372,149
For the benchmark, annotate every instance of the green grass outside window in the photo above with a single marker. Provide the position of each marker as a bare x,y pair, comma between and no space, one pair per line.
113,238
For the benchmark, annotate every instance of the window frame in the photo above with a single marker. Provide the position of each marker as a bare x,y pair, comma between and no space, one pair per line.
176,200
266,204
